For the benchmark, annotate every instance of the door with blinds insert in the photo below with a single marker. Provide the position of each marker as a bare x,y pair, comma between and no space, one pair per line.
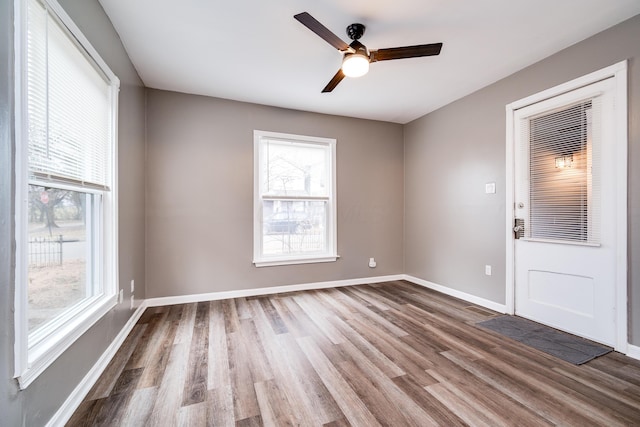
565,212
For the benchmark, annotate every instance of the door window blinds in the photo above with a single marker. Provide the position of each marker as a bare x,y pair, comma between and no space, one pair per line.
563,173
68,107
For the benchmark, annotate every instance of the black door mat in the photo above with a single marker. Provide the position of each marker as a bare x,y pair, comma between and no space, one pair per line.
565,346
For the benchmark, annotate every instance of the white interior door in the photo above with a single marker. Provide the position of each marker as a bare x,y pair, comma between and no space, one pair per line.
565,258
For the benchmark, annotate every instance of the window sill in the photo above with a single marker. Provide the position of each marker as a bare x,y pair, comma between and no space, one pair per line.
294,261
561,242
44,353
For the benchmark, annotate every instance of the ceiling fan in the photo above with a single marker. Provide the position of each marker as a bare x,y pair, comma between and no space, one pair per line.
356,56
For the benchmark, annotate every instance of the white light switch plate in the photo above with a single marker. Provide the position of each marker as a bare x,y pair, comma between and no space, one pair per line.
490,188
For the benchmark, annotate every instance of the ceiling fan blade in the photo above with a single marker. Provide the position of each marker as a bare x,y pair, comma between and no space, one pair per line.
406,52
312,23
334,81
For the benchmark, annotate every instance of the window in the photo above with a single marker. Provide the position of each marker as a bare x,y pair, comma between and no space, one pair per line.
66,101
294,206
559,168
564,173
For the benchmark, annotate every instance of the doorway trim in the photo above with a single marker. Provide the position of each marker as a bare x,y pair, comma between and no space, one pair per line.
618,72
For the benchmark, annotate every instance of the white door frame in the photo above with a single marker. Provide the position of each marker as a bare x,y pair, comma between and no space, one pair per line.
619,73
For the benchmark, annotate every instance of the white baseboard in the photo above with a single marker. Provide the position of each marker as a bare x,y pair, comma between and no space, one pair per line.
64,413
500,308
633,351
213,296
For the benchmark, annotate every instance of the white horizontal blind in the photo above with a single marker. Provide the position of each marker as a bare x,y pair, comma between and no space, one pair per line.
68,104
564,179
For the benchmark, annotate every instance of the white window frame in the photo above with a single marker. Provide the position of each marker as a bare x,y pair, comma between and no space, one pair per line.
53,339
331,255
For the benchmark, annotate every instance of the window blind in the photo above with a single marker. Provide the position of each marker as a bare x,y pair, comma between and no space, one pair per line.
68,106
564,178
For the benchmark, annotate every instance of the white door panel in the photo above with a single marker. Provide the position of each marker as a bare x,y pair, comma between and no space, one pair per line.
564,286
565,264
565,291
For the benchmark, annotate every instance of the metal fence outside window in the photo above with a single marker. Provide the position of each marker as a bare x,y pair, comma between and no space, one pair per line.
45,251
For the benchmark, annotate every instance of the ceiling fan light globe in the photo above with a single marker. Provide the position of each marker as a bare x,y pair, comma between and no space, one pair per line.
355,65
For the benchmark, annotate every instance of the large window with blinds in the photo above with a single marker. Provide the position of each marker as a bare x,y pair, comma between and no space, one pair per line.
66,207
294,206
563,182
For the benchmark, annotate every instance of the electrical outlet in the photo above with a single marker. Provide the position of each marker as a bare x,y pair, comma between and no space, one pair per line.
120,296
487,270
133,285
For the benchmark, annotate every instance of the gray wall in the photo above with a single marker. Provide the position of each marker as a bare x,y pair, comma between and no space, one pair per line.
36,405
199,234
200,195
452,229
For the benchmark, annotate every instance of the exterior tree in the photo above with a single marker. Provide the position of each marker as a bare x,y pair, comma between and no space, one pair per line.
42,203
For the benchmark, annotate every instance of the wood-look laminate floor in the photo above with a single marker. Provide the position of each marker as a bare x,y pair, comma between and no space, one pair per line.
387,354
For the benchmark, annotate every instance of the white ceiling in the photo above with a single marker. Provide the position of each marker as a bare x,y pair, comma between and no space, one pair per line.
255,51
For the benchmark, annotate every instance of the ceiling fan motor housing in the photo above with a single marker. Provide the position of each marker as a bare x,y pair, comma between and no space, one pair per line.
355,31
358,48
